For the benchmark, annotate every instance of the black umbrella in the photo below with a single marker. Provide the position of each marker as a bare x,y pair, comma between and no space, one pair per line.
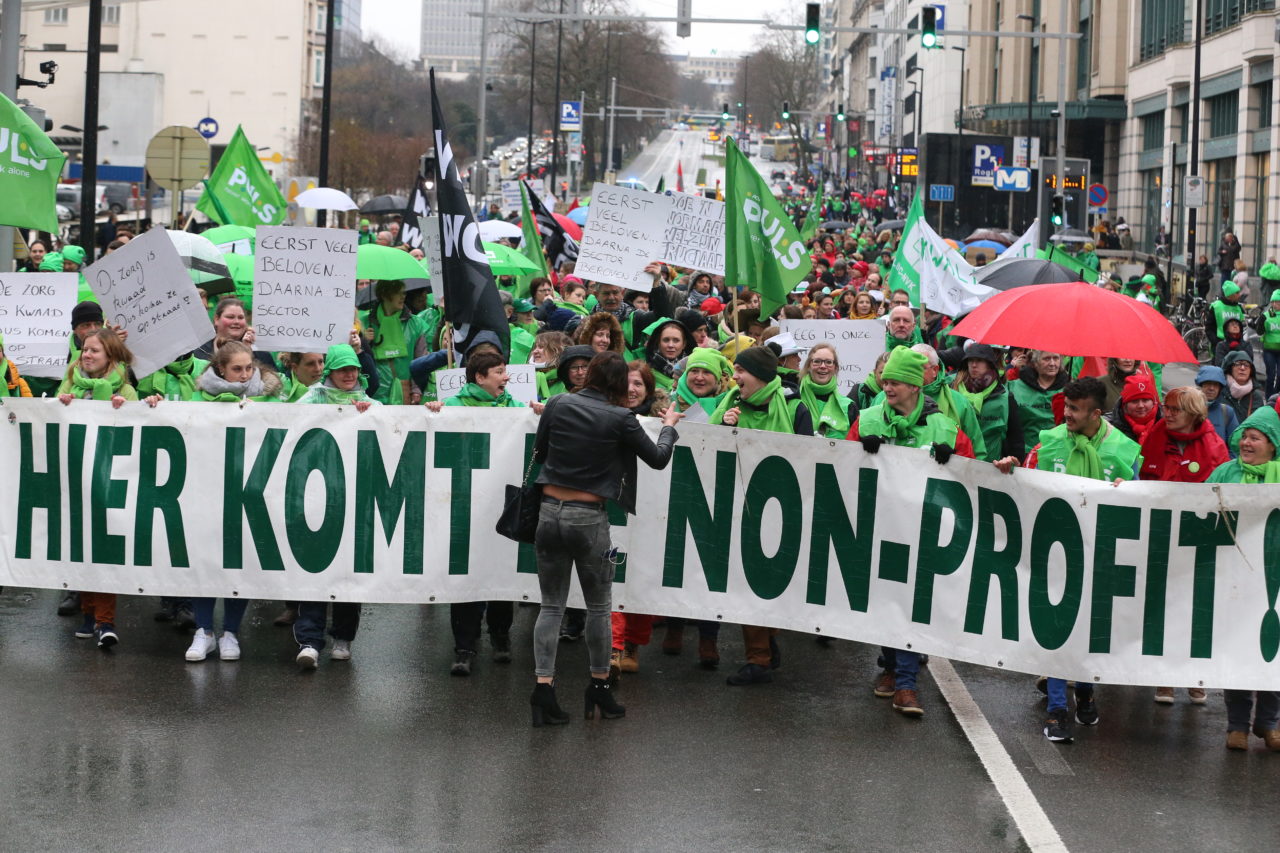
385,204
892,225
836,225
1020,272
365,298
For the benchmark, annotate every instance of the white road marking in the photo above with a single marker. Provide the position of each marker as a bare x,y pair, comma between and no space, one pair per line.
1036,828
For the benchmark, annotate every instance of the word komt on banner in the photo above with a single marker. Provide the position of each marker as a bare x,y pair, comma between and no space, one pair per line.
1141,583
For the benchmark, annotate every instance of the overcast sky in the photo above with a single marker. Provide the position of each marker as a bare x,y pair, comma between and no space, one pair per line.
397,22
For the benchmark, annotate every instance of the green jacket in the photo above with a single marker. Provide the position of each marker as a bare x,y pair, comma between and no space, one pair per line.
931,427
1271,330
1224,311
1121,456
1035,406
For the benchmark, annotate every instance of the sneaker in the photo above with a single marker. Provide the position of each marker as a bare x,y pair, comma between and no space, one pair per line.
202,644
341,650
1197,695
907,703
69,604
1058,727
752,673
85,631
501,645
228,646
462,663
1086,711
885,685
1238,740
106,634
307,657
1164,695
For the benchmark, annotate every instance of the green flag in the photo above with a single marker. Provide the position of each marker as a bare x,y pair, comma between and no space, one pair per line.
905,272
1066,259
240,192
530,245
763,250
29,168
809,229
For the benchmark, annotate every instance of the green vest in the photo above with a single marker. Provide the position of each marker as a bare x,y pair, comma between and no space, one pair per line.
937,428
1118,452
1223,311
957,407
1035,406
1271,330
833,421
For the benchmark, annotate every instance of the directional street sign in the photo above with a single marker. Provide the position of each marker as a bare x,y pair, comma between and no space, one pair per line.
942,192
1013,179
570,116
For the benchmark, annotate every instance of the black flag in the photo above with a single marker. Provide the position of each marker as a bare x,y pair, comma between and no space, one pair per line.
419,209
559,245
471,301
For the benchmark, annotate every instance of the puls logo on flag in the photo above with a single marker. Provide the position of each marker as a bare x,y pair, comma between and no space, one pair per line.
18,152
240,183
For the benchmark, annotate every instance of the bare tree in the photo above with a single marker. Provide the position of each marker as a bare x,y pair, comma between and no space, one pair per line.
784,69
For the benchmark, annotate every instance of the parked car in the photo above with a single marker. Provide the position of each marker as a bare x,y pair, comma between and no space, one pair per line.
69,194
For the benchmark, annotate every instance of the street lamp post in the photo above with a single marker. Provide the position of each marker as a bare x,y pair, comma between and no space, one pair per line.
960,123
1031,82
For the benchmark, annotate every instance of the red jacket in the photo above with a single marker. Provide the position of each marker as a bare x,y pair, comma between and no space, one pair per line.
1181,458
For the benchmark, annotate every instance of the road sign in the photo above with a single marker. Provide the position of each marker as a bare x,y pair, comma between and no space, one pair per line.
1012,179
570,116
178,158
1098,195
942,192
208,127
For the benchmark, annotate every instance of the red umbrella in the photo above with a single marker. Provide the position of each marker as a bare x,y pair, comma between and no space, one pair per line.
570,227
1075,318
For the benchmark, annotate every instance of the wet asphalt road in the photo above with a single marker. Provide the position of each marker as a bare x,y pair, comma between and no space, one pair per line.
138,750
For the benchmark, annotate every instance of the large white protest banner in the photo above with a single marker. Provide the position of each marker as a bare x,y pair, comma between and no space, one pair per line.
304,282
522,382
35,321
145,290
627,229
1037,572
858,343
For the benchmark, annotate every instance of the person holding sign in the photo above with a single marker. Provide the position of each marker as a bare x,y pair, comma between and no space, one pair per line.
100,373
1257,438
906,418
819,379
588,444
1087,446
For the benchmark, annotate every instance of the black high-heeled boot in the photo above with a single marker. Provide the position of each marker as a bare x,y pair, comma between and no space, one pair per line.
544,708
600,695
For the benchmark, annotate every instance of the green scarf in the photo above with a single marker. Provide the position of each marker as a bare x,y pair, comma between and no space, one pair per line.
388,342
97,389
1084,460
225,397
897,427
177,381
473,395
324,393
829,409
977,398
709,404
890,342
765,410
1268,472
574,307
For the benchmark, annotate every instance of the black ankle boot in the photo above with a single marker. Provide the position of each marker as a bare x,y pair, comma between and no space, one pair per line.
545,709
600,695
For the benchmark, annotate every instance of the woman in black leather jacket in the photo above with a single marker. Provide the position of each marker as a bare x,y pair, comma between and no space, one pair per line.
587,443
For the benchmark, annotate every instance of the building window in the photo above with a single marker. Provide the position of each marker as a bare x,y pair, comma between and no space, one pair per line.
1084,50
56,16
321,23
1262,92
1163,24
111,16
1224,114
1184,119
1153,131
1224,14
317,68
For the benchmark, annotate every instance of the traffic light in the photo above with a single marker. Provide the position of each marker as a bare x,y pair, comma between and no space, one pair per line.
811,34
840,113
724,111
1055,212
853,152
786,110
928,27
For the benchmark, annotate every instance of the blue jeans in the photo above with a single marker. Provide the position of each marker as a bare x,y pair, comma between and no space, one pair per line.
232,613
573,534
905,666
308,630
1240,707
1057,689
1271,359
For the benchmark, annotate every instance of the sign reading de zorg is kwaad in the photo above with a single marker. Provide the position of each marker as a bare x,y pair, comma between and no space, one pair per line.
1144,583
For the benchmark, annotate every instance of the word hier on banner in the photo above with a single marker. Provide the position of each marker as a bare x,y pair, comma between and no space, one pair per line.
1144,583
35,321
304,283
145,290
858,343
627,229
522,382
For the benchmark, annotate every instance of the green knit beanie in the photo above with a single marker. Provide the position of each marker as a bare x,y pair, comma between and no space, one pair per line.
709,360
905,365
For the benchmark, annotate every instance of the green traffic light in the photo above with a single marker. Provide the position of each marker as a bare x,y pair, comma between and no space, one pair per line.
929,40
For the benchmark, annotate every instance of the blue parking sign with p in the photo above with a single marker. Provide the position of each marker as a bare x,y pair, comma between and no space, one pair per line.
570,115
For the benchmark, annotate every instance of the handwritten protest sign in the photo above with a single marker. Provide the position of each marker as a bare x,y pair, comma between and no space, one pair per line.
303,288
626,229
857,342
431,248
522,382
35,320
145,290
